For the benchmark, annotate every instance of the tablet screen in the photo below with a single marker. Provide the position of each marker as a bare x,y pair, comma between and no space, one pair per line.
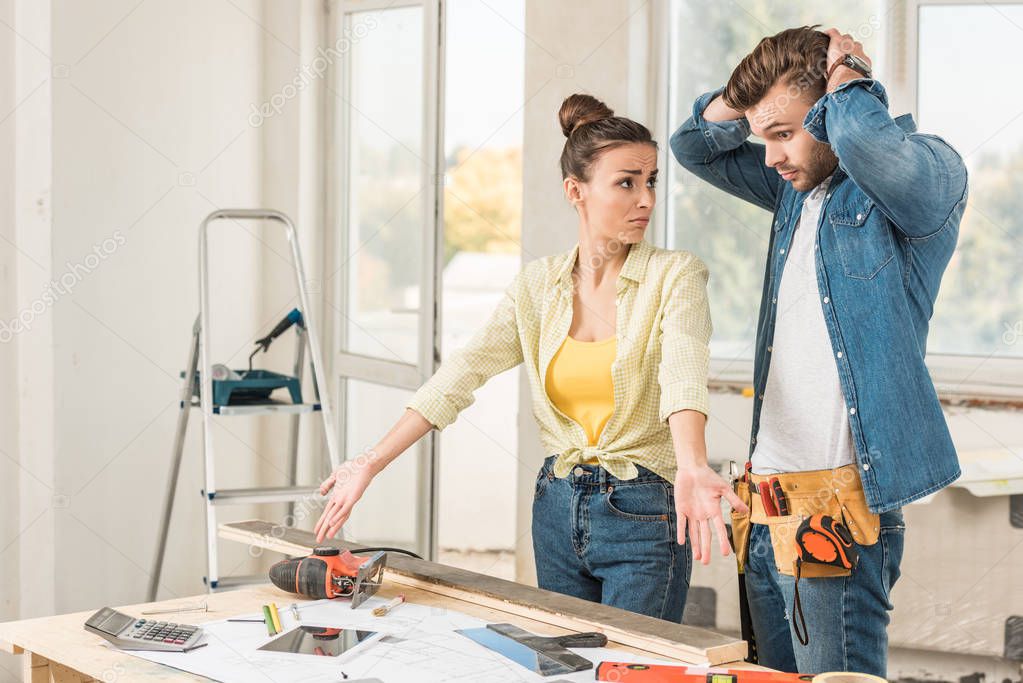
318,640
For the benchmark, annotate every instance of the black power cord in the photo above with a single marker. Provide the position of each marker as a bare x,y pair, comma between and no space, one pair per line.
390,550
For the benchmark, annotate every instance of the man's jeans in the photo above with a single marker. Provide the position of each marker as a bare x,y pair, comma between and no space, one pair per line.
612,541
846,617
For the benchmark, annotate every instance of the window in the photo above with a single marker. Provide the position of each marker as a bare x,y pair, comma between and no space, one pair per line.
980,307
398,59
383,109
484,96
384,200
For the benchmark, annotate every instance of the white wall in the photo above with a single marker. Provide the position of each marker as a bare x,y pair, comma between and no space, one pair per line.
139,127
33,398
9,470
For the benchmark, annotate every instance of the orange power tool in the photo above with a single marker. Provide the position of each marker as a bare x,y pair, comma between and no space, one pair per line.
666,673
330,573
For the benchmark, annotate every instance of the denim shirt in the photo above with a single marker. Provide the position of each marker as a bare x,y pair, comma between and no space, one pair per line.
887,230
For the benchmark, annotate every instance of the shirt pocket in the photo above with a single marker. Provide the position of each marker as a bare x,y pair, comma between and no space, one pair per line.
863,237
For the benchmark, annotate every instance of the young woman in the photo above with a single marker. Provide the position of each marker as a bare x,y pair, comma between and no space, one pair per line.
614,335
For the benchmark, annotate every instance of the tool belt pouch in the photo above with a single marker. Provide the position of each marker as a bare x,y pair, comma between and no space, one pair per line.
741,526
837,493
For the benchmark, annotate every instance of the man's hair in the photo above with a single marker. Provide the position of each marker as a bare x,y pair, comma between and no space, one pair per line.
796,56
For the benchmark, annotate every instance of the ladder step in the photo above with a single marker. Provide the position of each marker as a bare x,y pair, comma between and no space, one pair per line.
271,494
266,408
258,408
234,581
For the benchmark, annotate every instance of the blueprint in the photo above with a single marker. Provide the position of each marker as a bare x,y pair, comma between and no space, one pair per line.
414,643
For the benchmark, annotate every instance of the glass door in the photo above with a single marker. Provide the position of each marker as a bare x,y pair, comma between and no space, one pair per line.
383,94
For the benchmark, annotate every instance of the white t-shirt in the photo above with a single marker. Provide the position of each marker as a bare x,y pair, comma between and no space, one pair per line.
804,423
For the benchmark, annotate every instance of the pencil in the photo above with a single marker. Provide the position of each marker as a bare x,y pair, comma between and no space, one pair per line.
270,630
276,617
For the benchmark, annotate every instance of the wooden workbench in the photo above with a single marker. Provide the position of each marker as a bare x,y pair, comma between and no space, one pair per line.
58,649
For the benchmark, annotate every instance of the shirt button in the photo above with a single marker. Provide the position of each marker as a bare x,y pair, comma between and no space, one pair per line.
859,216
866,466
839,354
579,472
774,301
781,251
852,411
827,300
770,349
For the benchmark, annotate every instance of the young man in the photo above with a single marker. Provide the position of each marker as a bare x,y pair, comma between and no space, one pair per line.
866,217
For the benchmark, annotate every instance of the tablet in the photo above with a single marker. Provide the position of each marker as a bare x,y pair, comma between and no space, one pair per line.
320,641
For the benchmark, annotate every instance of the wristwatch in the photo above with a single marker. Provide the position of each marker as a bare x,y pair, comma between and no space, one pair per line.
854,63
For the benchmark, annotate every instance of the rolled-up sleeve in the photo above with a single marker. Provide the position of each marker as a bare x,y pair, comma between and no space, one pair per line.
685,342
496,347
720,153
919,181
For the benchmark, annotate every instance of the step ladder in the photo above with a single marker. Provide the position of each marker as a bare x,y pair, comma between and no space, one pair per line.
199,368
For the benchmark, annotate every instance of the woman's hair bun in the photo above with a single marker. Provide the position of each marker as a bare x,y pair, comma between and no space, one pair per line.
578,110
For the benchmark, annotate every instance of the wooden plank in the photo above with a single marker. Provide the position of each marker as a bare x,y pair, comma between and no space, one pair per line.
35,669
685,643
62,674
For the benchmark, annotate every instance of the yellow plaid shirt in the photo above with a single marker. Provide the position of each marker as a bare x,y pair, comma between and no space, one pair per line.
661,365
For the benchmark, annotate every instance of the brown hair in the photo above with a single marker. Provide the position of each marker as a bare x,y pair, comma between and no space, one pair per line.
797,55
592,128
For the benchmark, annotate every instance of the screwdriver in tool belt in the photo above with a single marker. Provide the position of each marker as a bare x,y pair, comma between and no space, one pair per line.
781,501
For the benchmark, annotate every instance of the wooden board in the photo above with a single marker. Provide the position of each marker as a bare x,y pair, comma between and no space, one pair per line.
684,643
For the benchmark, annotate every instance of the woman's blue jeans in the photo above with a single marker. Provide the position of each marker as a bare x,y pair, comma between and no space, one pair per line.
611,541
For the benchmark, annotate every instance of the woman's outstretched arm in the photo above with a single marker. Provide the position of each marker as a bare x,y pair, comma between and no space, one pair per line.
350,480
494,349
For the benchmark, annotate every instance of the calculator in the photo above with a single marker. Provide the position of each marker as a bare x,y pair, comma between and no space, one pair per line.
128,633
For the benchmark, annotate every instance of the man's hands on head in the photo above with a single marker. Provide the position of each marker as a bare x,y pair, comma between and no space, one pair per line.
843,44
717,111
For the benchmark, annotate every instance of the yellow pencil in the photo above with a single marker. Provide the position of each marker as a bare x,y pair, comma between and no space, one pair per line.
276,617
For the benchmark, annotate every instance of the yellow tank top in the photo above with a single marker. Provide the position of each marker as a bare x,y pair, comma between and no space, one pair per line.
579,383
